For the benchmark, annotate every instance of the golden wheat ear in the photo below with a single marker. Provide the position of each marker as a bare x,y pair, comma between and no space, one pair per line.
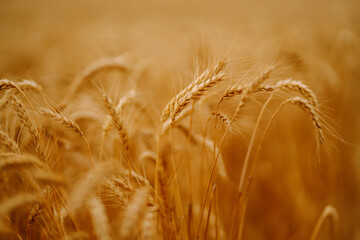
134,214
114,115
8,142
26,121
194,91
62,119
99,218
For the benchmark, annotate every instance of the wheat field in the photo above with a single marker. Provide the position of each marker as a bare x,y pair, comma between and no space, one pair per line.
179,120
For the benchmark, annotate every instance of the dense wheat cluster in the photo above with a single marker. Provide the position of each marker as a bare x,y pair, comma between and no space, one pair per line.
179,120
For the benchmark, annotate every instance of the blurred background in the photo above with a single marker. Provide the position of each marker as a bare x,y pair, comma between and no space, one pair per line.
316,42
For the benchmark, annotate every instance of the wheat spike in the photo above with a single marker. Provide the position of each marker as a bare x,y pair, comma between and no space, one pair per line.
125,100
194,91
10,204
99,218
304,104
61,118
10,160
148,224
134,214
6,140
117,122
289,84
25,119
250,89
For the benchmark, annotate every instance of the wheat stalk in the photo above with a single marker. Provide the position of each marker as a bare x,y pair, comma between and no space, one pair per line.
120,62
329,211
209,144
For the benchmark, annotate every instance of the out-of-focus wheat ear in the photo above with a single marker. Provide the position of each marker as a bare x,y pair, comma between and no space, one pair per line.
99,218
329,211
11,204
5,99
193,91
120,62
7,84
26,121
133,216
148,155
48,177
11,160
6,140
117,123
30,85
148,225
20,87
86,186
209,144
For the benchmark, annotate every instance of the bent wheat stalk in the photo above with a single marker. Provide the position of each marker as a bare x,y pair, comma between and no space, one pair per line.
329,211
314,115
120,62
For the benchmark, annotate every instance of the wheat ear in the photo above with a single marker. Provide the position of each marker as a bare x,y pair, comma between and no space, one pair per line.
250,89
61,118
5,99
194,91
125,100
148,224
304,104
69,123
6,140
25,119
289,84
11,160
10,204
117,123
134,214
99,218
